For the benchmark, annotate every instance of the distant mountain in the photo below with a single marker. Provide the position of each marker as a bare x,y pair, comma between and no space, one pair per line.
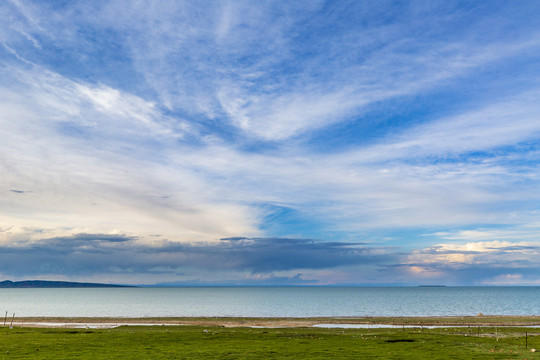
52,284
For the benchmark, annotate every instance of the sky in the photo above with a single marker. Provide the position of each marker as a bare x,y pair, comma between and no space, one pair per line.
270,142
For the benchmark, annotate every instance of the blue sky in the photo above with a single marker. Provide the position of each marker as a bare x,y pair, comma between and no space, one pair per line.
270,143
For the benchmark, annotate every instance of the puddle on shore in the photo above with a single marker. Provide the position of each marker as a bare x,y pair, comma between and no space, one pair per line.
388,326
85,325
328,326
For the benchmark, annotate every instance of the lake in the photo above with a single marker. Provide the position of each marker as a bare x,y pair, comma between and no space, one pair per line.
271,301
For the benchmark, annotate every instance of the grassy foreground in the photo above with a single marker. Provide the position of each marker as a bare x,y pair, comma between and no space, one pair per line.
203,342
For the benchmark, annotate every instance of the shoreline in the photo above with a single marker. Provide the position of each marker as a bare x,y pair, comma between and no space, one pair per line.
273,322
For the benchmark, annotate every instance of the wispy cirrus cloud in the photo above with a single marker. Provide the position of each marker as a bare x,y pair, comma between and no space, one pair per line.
100,139
281,114
236,77
510,122
390,193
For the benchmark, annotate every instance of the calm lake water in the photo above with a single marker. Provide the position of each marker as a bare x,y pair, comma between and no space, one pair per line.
271,301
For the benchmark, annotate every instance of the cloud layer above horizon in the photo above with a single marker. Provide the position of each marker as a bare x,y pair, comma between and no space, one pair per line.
235,142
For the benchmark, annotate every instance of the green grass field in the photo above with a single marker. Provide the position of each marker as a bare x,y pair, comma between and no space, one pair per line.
203,342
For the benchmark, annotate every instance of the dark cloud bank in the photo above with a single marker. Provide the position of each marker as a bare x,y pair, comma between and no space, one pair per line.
83,255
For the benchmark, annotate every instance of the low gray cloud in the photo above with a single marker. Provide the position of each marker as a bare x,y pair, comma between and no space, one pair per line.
271,280
515,247
85,238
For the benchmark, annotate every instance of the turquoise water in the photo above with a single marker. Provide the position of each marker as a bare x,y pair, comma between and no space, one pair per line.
271,301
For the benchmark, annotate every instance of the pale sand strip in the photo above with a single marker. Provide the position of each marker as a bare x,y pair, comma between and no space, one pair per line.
484,320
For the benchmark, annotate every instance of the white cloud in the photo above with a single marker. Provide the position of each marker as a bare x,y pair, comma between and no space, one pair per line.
99,176
280,117
493,253
522,231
